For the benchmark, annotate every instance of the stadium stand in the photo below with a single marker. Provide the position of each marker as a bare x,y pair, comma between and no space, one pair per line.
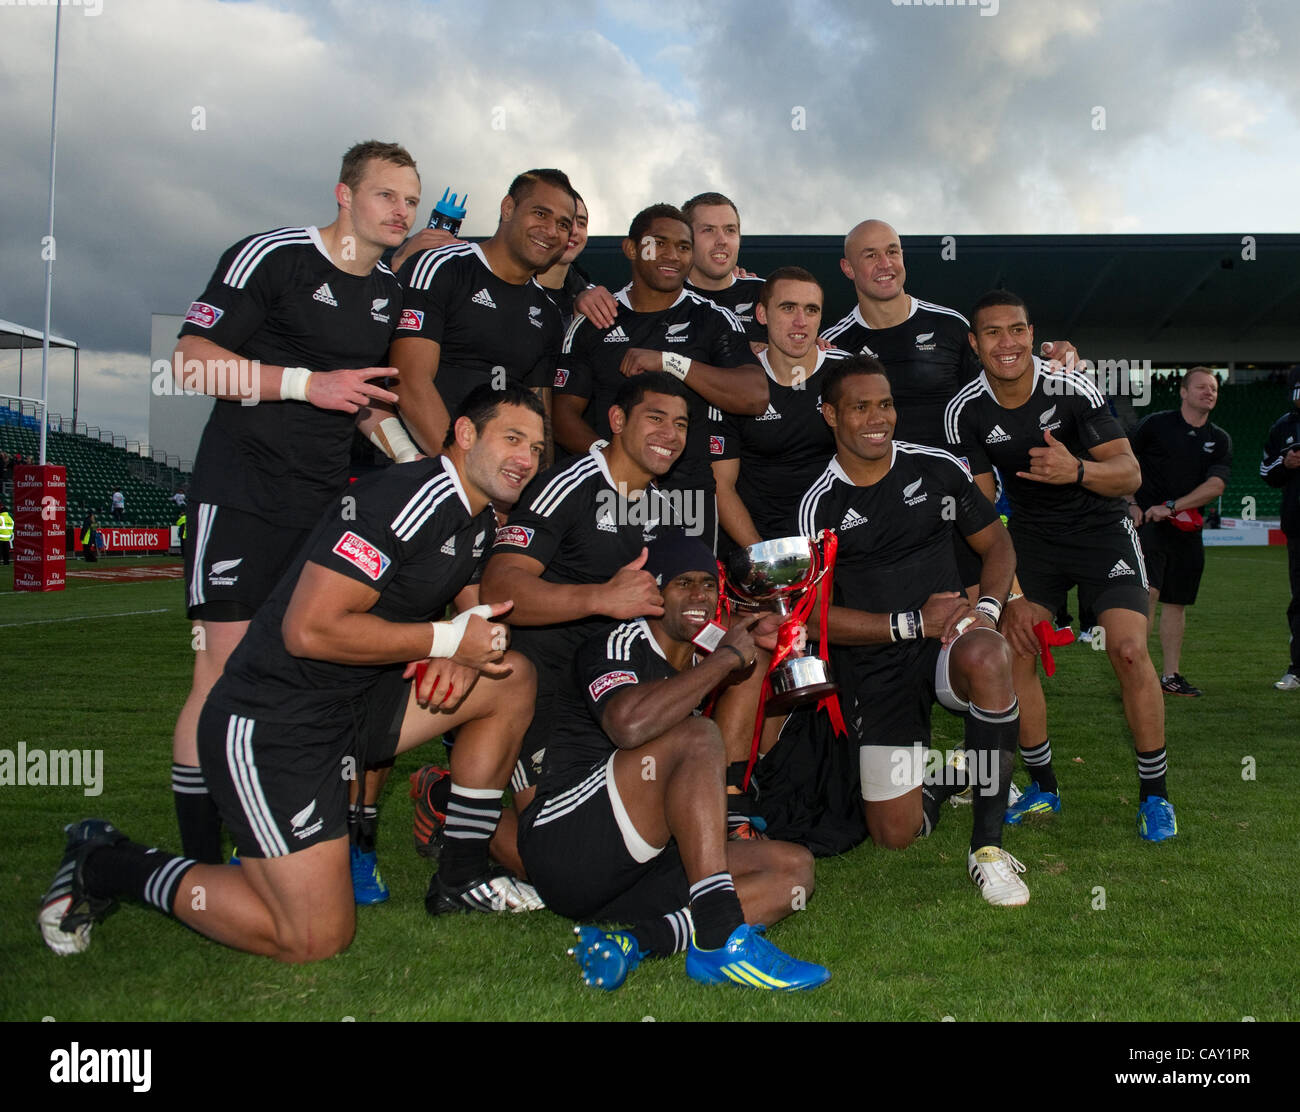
96,468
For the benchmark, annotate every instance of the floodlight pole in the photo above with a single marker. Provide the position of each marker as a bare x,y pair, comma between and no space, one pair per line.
49,245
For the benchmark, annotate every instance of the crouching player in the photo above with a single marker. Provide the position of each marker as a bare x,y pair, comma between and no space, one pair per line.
629,824
902,636
320,685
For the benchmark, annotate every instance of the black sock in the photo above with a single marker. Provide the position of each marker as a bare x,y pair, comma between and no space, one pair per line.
669,934
363,822
1151,774
130,869
1038,763
991,740
715,908
472,817
196,815
931,809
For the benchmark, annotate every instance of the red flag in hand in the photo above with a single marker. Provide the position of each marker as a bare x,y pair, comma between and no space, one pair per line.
1048,635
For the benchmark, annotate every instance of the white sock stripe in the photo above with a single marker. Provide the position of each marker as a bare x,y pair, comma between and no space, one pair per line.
161,887
475,793
997,717
718,882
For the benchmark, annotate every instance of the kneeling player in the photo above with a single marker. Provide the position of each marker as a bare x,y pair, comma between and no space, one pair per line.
318,687
629,823
895,506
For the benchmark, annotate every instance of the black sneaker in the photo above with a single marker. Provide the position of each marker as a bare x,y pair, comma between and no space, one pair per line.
495,890
68,911
1176,685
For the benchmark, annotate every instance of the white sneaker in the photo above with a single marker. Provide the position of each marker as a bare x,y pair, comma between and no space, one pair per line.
995,871
1289,682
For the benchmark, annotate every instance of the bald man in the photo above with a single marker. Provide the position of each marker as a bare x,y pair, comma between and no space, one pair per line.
923,345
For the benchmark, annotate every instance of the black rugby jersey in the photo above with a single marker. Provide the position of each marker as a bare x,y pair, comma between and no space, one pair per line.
408,533
929,359
1282,438
692,326
1177,457
574,521
604,664
279,299
482,322
741,299
781,451
896,536
988,436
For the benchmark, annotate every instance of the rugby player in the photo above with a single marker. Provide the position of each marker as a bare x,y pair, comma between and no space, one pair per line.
313,311
1067,469
763,464
473,313
663,327
628,825
565,279
715,271
323,682
571,557
1186,461
902,635
1280,468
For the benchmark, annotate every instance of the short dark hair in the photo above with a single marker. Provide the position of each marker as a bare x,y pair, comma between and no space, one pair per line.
688,209
1196,371
647,216
634,389
354,162
787,274
838,370
482,404
998,297
526,182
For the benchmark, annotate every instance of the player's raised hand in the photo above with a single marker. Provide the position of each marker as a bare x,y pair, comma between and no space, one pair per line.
767,629
1292,459
740,636
632,592
1061,355
350,390
1017,626
1054,463
639,360
597,305
485,641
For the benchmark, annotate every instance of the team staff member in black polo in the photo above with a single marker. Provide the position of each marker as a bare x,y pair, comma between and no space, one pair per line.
1186,462
324,676
660,326
473,312
317,308
1067,468
1280,468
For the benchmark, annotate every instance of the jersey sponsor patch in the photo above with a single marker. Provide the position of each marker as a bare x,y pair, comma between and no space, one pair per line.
362,554
608,682
203,314
519,535
717,445
561,376
412,319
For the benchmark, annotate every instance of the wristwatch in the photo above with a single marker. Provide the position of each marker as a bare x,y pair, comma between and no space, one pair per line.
1169,505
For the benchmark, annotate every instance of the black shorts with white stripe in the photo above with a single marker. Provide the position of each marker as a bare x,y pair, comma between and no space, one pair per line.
1106,564
233,561
587,860
281,787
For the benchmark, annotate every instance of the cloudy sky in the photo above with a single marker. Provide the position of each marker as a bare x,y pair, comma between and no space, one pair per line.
187,124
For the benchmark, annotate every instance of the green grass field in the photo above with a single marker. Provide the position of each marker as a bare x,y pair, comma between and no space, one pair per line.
1200,928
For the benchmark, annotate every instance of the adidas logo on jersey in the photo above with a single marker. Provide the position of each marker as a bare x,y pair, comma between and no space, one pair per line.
864,350
325,295
478,544
770,415
605,523
997,436
910,496
1120,568
852,519
484,298
449,547
618,336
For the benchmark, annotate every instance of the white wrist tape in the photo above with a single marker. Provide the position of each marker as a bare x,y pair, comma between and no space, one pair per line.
391,438
293,384
990,608
447,635
674,364
906,625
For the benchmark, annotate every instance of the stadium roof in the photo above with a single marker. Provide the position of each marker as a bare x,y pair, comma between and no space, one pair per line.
16,336
1175,298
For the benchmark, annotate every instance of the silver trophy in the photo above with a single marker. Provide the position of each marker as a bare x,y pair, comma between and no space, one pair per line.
780,575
